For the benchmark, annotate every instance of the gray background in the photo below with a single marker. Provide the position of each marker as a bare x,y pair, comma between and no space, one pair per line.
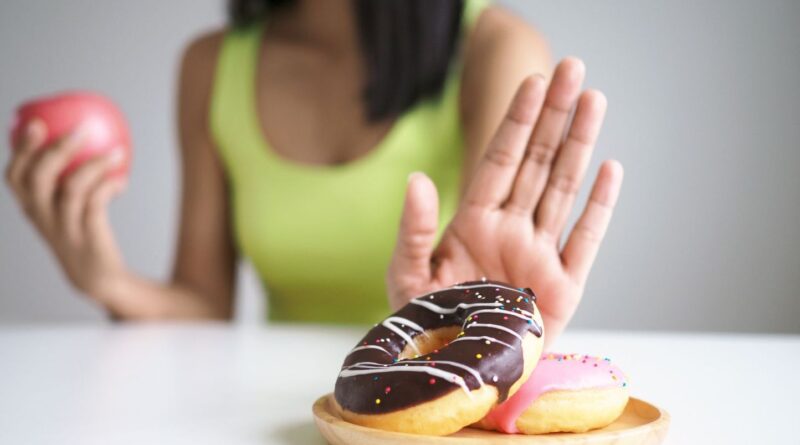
703,114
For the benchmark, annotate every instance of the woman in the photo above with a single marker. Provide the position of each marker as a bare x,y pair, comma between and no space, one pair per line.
298,128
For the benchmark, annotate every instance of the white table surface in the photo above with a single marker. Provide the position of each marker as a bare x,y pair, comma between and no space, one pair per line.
216,383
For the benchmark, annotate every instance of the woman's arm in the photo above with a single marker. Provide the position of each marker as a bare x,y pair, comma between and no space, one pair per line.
203,278
72,215
500,52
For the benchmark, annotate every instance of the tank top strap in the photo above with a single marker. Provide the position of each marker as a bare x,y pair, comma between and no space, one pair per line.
473,10
233,91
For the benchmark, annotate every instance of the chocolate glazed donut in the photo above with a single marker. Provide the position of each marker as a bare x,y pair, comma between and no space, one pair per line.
442,361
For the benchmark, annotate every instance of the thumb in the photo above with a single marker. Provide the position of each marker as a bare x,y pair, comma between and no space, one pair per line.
417,233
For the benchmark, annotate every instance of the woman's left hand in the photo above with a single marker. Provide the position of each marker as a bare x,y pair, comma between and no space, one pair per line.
511,219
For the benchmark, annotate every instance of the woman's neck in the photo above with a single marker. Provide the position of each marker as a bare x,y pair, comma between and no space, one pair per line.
328,24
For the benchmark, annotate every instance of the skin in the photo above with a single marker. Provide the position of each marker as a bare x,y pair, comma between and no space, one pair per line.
519,180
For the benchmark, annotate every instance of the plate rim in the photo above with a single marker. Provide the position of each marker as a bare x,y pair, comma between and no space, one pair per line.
662,421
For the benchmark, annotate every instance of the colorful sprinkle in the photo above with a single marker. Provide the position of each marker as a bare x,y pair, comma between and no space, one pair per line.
387,390
377,401
478,356
494,379
432,381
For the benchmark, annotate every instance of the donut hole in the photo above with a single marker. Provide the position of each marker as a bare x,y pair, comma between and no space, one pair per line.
429,341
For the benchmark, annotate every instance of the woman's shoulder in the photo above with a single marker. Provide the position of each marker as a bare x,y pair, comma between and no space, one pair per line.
197,68
500,51
498,21
503,37
195,81
201,51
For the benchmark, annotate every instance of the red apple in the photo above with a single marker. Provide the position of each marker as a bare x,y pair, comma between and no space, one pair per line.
103,123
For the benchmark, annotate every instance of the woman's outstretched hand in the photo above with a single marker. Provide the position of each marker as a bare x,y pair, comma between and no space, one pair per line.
511,219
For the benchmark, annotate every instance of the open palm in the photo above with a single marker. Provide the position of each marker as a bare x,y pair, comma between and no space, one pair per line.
511,218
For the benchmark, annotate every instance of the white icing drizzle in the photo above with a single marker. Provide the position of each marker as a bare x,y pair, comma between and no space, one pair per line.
367,364
493,326
403,363
525,312
447,376
482,337
404,321
450,310
480,285
359,348
472,371
499,311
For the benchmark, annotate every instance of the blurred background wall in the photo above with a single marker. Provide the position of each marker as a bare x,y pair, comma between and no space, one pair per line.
703,114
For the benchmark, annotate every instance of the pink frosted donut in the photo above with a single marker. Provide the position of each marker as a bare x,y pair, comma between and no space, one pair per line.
565,393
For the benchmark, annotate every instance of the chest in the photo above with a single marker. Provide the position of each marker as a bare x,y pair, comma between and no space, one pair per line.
311,108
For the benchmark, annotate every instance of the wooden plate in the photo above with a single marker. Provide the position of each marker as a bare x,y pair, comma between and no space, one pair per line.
640,423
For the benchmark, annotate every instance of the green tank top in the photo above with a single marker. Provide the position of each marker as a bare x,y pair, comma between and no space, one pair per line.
321,237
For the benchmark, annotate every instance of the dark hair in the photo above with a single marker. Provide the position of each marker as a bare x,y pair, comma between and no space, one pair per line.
407,46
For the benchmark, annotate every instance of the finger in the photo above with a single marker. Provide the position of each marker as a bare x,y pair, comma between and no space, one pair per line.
495,173
541,150
95,219
74,193
584,241
24,151
43,173
418,224
570,165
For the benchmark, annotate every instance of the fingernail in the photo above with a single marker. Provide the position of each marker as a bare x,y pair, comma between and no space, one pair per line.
74,138
116,156
412,174
35,127
78,133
